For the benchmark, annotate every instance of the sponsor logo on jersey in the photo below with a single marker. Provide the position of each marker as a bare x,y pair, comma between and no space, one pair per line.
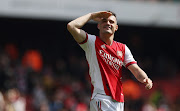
109,59
103,46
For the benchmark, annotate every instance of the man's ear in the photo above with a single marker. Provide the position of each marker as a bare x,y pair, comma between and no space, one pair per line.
98,26
116,28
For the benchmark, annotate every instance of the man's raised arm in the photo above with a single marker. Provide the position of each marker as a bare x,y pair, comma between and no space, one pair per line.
75,25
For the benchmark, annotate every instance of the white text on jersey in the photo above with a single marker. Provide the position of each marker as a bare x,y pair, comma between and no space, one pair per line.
109,59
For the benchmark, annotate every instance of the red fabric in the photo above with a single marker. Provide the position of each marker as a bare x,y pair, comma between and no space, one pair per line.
110,66
131,63
85,39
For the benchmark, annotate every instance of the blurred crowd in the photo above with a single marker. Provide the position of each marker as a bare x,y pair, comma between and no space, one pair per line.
26,84
29,83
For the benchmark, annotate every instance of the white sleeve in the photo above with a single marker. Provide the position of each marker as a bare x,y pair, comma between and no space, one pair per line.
128,59
88,42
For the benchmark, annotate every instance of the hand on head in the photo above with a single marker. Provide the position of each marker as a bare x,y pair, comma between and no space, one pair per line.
98,16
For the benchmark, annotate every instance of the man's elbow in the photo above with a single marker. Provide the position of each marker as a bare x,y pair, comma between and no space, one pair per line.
69,26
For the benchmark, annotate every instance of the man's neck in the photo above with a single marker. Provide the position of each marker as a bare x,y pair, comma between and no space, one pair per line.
107,38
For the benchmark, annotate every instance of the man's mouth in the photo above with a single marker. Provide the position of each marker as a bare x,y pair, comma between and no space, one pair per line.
107,27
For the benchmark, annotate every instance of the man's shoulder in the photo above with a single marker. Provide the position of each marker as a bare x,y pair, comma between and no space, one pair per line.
91,35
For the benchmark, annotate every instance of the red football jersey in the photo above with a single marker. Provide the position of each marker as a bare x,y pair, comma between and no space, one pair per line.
105,66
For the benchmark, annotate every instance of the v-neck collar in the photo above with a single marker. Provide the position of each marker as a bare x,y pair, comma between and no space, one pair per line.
106,43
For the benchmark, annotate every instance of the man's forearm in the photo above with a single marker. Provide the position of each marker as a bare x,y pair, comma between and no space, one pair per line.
81,21
74,27
138,72
140,75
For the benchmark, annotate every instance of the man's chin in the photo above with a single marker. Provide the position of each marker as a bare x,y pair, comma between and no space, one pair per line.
108,32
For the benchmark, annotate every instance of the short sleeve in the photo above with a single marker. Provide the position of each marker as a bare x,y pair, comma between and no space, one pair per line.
88,42
128,59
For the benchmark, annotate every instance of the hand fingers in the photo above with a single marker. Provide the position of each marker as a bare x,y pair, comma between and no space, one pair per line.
98,16
148,83
105,14
144,81
147,80
148,86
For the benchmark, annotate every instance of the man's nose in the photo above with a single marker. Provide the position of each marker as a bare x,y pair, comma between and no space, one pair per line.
108,22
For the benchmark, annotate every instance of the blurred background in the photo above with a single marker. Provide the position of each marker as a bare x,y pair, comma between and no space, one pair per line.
42,68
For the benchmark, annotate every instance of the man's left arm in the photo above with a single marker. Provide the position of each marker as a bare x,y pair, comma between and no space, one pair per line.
140,75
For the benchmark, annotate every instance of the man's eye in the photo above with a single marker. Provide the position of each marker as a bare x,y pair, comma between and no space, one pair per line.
111,21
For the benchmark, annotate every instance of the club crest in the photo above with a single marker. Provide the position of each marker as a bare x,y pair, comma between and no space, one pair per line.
119,53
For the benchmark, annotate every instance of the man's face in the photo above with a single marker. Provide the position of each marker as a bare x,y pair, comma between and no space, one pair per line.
108,25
